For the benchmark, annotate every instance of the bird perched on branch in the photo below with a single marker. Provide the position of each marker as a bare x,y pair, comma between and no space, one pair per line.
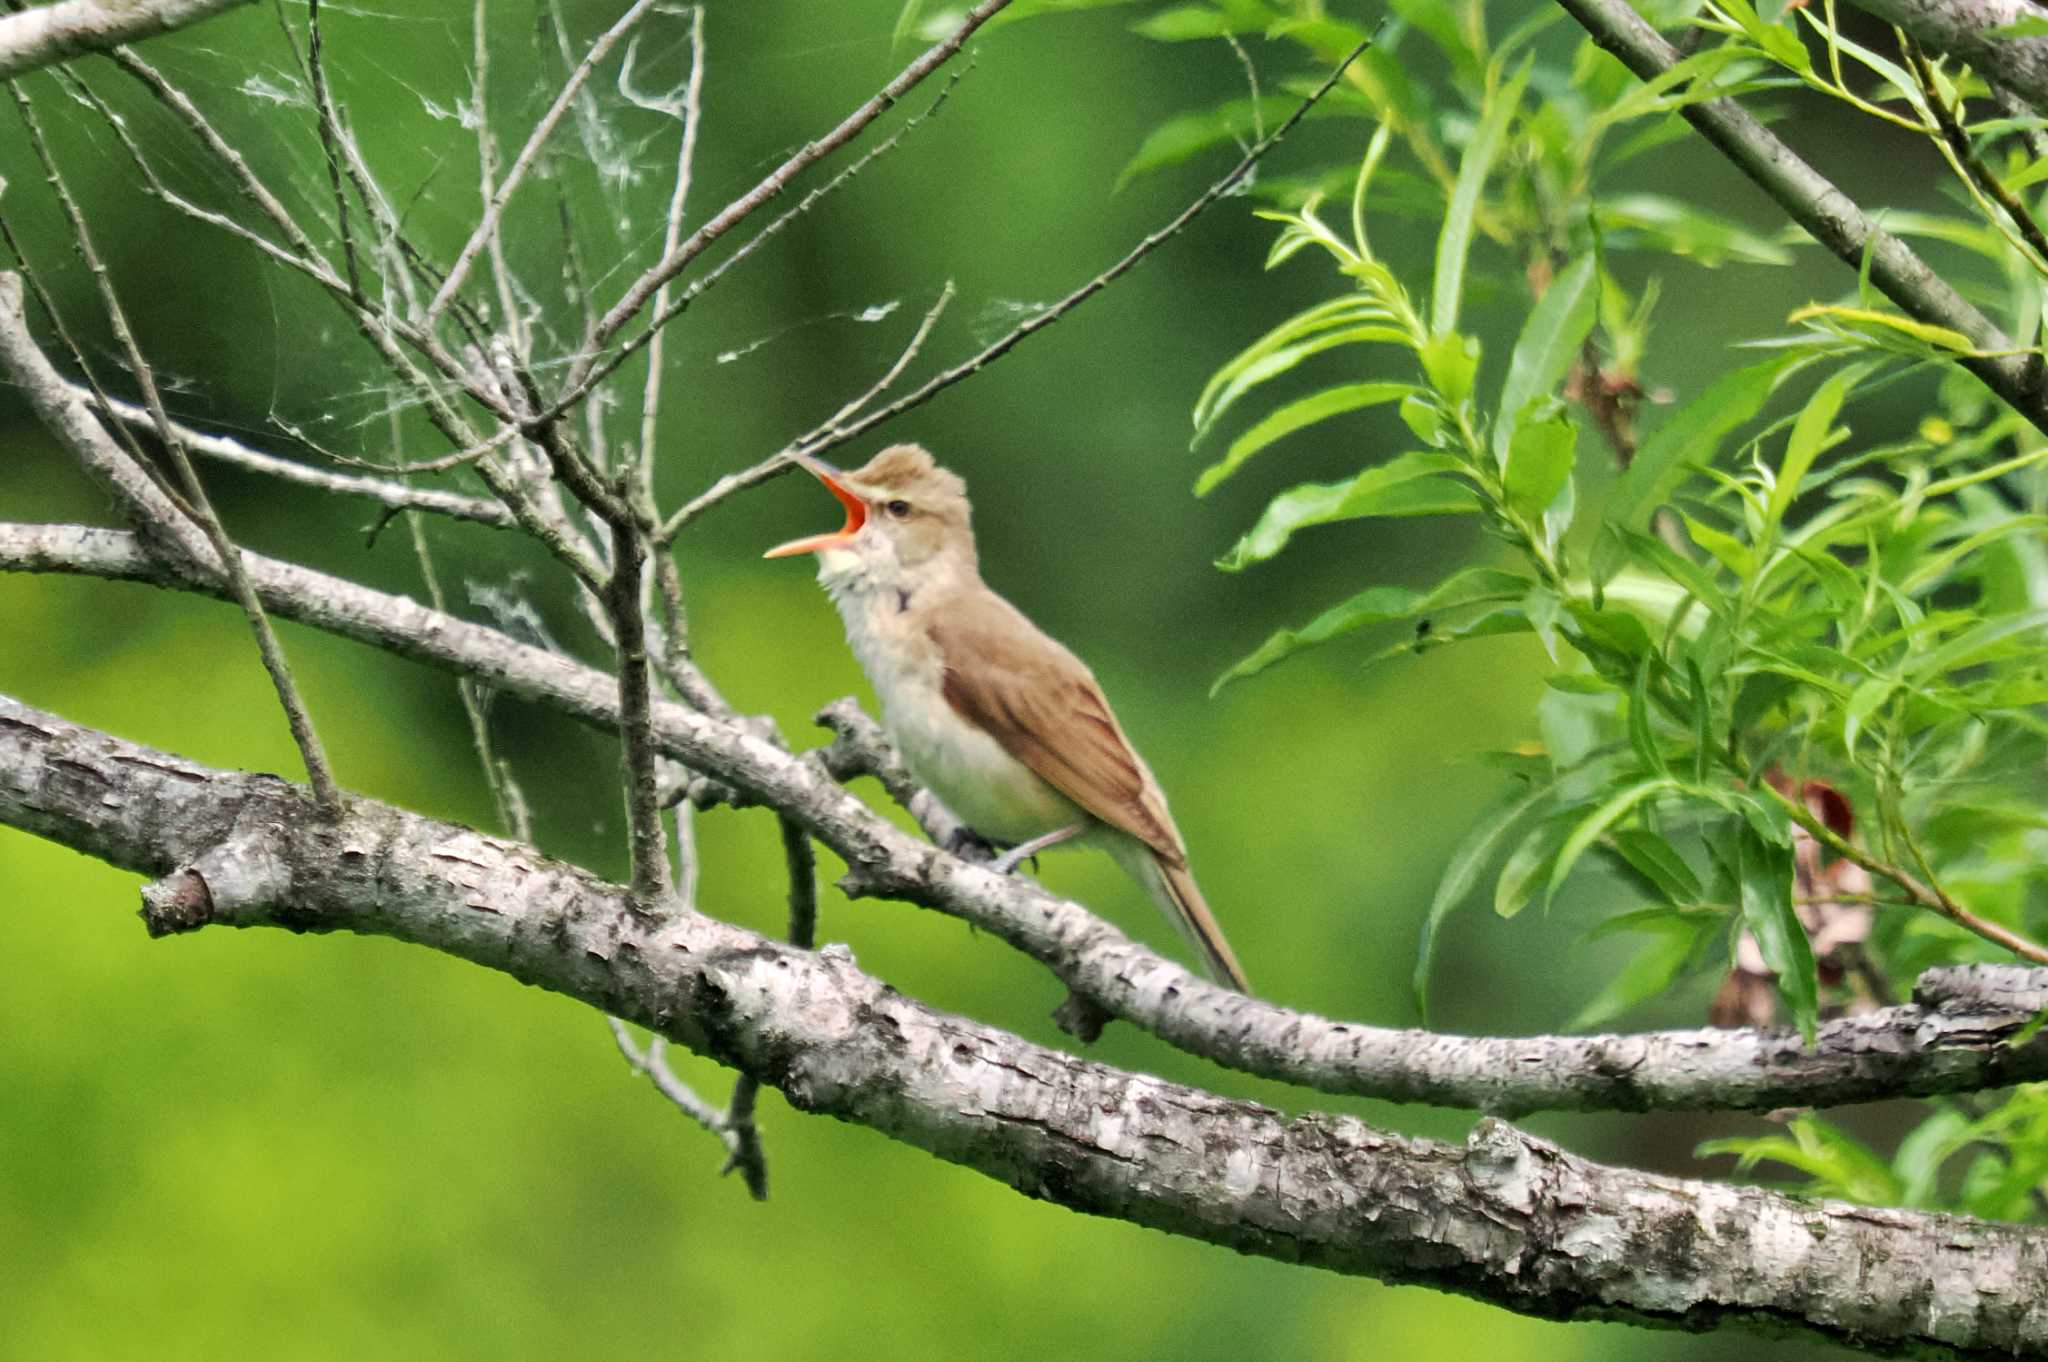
1001,722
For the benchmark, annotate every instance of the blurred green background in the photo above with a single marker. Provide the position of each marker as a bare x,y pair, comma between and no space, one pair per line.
312,1148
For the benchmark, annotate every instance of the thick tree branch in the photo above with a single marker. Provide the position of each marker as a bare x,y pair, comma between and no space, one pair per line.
50,33
1829,215
1956,1040
1504,1217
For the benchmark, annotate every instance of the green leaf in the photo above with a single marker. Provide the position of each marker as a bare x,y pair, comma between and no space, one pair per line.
1641,735
1295,415
1614,629
1863,702
1764,878
1690,436
1696,580
1471,856
1549,342
1274,363
1188,134
1653,857
1451,360
1379,605
1729,551
1913,337
1456,237
1780,42
1810,435
1646,975
1492,624
1349,310
1678,228
1589,829
1539,463
1186,23
1412,484
1528,865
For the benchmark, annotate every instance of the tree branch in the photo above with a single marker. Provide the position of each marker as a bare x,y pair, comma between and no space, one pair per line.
1957,1039
1505,1217
51,33
1967,30
1829,215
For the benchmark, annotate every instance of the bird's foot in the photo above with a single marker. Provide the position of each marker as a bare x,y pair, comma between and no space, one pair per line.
970,845
1024,851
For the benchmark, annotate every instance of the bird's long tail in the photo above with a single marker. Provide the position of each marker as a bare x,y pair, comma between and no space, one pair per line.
1173,889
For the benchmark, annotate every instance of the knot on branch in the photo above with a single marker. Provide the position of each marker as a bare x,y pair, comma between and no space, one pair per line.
1501,1164
1082,1018
181,901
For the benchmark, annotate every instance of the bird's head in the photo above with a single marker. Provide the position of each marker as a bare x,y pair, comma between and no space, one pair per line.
905,516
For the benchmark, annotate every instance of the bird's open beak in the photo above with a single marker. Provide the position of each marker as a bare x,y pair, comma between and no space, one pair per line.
856,516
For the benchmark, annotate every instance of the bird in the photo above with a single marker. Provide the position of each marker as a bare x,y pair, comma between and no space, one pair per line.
1006,726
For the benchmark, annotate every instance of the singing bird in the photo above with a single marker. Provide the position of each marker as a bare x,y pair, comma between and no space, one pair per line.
1006,726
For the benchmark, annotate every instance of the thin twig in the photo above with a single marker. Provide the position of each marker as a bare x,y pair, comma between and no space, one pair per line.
623,600
1966,158
326,794
494,211
1151,243
316,72
674,262
1921,892
392,495
597,373
655,1067
691,114
512,317
513,814
775,463
801,862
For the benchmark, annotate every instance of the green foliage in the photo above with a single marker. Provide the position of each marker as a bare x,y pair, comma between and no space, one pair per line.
1985,1159
1777,645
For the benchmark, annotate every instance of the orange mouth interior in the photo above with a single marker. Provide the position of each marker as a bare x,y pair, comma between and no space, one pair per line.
856,516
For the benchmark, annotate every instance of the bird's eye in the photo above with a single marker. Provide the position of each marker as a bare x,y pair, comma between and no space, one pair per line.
898,508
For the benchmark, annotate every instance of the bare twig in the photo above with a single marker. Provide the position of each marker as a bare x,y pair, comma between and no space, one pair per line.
50,33
624,605
386,492
163,527
327,795
802,866
664,314
316,73
775,463
494,211
690,113
654,1064
511,316
996,350
643,289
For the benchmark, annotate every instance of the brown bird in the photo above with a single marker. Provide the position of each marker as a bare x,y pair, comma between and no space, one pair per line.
1002,723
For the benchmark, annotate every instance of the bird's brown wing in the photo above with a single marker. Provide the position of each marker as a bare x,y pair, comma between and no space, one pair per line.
1043,705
